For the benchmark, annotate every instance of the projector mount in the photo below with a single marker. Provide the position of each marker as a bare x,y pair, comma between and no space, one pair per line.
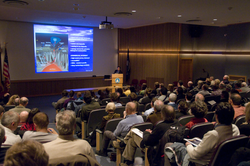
106,22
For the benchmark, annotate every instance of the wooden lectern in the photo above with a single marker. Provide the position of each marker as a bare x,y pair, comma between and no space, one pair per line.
117,81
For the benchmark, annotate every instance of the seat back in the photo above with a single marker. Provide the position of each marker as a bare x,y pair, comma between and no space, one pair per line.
210,116
8,107
144,117
141,108
147,106
143,126
120,110
105,101
225,150
239,120
124,100
112,123
185,119
139,97
95,118
199,129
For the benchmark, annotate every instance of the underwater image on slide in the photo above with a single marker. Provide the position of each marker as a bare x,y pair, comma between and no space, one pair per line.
63,49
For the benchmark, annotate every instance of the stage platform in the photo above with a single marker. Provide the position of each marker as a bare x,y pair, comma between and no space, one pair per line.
95,89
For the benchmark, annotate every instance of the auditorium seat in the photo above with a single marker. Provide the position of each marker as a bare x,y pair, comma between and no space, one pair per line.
95,117
124,100
105,101
142,81
111,126
8,107
224,151
185,119
239,120
199,129
120,110
140,108
147,106
210,116
134,83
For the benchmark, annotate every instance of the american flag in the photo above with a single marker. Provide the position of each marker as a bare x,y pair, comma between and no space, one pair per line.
6,73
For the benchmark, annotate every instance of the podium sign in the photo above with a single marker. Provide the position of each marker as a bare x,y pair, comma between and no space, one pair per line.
117,81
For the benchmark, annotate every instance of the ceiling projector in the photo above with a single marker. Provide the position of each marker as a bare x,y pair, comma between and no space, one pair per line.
106,25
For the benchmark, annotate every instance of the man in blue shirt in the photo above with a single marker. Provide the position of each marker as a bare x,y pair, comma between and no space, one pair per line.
123,126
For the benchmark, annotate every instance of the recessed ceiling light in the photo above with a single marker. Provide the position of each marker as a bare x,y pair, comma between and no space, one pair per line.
133,11
215,19
75,4
179,15
158,17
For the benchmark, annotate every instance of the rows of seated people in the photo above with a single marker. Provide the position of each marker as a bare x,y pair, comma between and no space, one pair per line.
166,109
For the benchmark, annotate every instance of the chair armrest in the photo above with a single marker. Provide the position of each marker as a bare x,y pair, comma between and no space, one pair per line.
199,161
120,139
98,131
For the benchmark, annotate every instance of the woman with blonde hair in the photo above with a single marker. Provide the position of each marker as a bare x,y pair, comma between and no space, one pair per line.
12,100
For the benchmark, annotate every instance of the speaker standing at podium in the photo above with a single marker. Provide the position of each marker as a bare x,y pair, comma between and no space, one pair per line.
118,71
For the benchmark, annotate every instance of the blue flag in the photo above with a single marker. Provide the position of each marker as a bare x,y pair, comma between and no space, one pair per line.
128,67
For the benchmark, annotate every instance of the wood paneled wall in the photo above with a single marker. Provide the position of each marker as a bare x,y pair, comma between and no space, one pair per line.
54,86
153,51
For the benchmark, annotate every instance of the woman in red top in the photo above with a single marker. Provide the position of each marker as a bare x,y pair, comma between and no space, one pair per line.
199,110
29,125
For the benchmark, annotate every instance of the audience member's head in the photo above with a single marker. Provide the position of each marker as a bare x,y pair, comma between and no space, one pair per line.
133,96
205,87
24,101
110,107
113,97
27,153
222,85
228,88
17,101
71,93
247,112
2,135
148,92
180,83
217,82
199,96
64,93
153,101
12,100
10,120
164,91
87,97
237,85
199,109
24,116
243,84
65,122
235,99
120,90
78,95
200,83
130,108
189,96
168,113
211,78
132,89
224,113
32,113
144,86
183,107
157,85
41,120
179,91
172,97
190,84
225,95
226,77
171,87
158,104
1,111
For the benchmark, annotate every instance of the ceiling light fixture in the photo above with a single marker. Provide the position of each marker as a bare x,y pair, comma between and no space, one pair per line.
133,11
18,2
215,19
179,15
122,14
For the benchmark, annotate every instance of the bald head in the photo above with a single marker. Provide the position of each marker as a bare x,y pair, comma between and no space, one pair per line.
225,77
190,83
199,97
24,101
17,101
130,108
158,104
23,116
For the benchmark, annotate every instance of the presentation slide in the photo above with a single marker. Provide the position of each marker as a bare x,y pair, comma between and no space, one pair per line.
63,49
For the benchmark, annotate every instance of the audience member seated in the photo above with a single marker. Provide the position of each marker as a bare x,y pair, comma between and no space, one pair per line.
27,153
180,94
197,88
237,86
127,91
225,79
71,97
170,89
172,98
235,101
29,125
133,98
120,91
150,137
151,110
222,86
143,87
4,99
147,97
132,89
23,118
2,140
90,105
199,97
22,106
123,126
228,88
211,78
224,129
161,85
79,96
204,90
180,84
1,112
163,94
114,99
156,115
216,91
66,144
224,96
188,98
156,86
244,88
182,109
10,121
59,104
245,127
41,122
199,110
12,100
190,86
101,95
